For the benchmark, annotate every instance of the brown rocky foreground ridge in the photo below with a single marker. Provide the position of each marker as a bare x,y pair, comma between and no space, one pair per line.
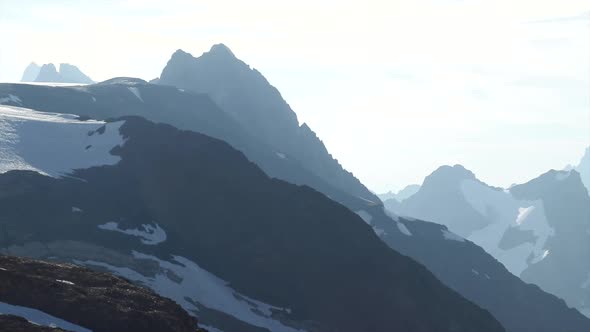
83,298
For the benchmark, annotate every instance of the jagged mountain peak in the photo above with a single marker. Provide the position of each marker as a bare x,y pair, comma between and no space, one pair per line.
67,74
180,53
48,73
221,50
49,66
258,107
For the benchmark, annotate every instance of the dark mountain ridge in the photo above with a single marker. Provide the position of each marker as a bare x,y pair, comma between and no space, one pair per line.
286,245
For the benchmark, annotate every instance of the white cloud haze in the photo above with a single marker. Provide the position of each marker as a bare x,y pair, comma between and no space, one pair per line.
394,88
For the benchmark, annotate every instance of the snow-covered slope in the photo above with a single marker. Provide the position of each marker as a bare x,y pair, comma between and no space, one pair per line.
39,317
54,144
197,288
518,230
540,230
47,296
194,219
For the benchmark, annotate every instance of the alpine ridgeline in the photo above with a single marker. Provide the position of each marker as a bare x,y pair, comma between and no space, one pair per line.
538,230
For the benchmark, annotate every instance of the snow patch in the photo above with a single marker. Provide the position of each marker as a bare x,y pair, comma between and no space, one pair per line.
11,98
391,215
540,257
281,155
452,236
367,218
584,311
149,234
39,317
76,210
65,282
94,99
54,144
198,285
402,228
523,213
136,92
55,84
366,200
475,272
209,328
505,212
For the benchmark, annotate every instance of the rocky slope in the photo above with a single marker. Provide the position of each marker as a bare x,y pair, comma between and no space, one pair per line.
18,324
78,299
192,218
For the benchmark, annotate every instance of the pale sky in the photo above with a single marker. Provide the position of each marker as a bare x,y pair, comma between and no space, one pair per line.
393,88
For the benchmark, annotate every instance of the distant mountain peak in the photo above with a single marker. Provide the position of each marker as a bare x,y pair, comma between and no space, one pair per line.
549,183
48,73
246,95
73,74
49,66
179,53
221,49
456,172
31,72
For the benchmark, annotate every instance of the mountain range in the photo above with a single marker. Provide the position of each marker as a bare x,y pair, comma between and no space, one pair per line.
47,73
192,218
539,230
262,218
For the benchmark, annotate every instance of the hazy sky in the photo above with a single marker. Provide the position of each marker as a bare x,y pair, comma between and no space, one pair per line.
394,88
